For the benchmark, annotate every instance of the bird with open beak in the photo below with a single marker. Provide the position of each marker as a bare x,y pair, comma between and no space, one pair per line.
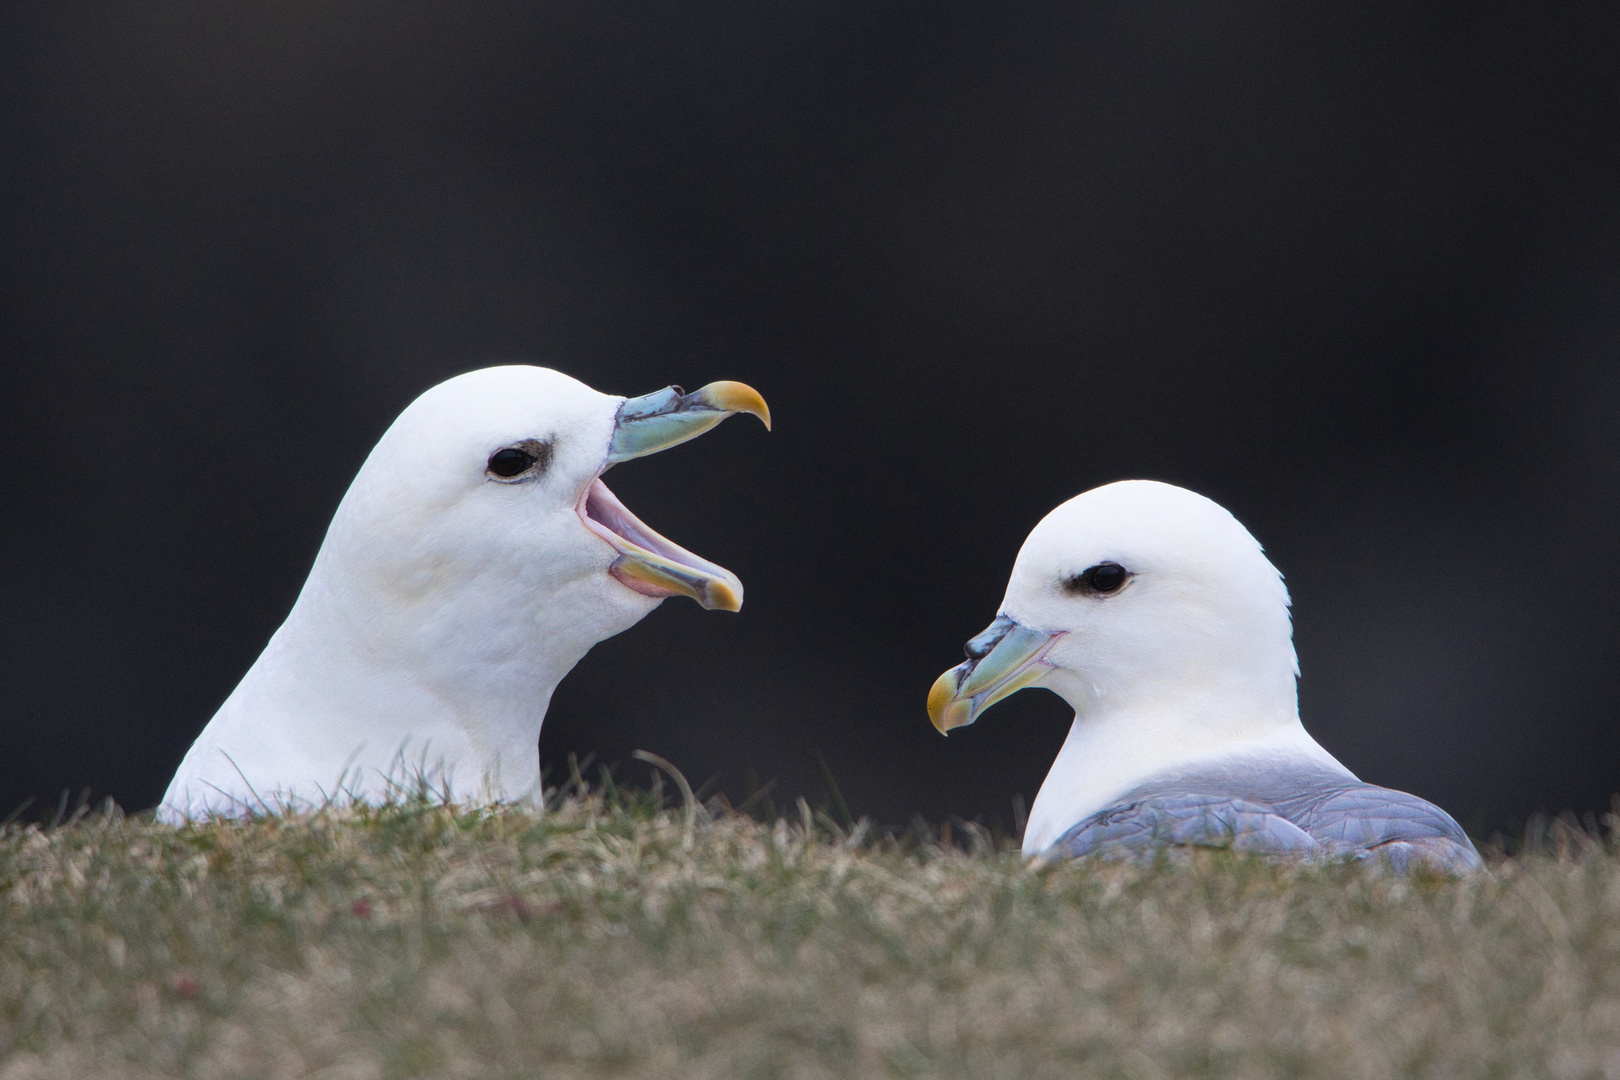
475,559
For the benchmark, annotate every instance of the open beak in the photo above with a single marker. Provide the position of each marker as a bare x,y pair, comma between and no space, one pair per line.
1004,659
648,563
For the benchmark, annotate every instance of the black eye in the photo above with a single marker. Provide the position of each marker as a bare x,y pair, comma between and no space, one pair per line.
511,461
1103,578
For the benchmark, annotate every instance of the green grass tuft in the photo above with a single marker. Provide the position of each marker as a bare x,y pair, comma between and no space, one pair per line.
610,938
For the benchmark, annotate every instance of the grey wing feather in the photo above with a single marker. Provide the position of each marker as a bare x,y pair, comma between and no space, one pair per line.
1446,855
1186,819
1275,806
1371,821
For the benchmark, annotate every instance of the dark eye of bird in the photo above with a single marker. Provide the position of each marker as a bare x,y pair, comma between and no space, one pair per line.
511,461
1100,579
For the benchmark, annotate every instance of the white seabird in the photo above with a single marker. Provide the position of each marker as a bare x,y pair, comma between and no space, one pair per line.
1156,615
475,559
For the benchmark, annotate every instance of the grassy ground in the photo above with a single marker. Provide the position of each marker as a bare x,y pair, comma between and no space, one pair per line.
605,938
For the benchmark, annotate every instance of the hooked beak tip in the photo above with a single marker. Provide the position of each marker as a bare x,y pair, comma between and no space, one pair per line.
945,709
730,396
720,596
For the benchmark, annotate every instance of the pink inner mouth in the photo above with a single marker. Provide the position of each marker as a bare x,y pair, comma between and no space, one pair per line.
606,516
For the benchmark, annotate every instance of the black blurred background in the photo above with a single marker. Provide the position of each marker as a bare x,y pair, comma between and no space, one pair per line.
1351,270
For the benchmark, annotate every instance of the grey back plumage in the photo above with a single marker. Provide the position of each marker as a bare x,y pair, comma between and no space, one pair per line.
1286,806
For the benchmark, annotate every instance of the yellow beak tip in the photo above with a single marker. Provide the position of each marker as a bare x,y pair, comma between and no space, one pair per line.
721,597
945,709
732,396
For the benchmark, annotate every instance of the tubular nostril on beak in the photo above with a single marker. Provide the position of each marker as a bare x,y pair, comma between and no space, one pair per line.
979,647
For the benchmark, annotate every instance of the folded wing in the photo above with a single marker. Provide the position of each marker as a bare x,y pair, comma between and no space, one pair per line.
1274,808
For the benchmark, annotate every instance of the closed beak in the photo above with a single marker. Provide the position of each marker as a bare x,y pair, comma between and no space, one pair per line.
1004,659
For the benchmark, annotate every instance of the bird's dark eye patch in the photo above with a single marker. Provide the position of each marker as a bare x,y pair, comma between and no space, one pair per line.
1100,580
529,457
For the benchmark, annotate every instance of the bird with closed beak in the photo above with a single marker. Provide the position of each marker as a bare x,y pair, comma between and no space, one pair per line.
1155,614
474,560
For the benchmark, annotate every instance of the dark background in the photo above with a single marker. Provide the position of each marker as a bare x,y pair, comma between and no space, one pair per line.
1351,270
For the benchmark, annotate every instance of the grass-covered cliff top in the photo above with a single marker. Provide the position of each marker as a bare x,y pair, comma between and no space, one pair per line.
605,938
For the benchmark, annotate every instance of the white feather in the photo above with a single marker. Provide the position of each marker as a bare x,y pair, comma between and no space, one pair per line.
1193,660
441,612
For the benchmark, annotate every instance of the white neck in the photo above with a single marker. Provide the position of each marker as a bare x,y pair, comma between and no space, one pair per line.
1113,747
392,684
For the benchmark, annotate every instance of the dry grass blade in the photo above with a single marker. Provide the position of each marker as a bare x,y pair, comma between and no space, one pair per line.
608,937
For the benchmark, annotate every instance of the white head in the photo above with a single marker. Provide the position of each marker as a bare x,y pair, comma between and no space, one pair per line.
428,517
484,495
1135,598
477,557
